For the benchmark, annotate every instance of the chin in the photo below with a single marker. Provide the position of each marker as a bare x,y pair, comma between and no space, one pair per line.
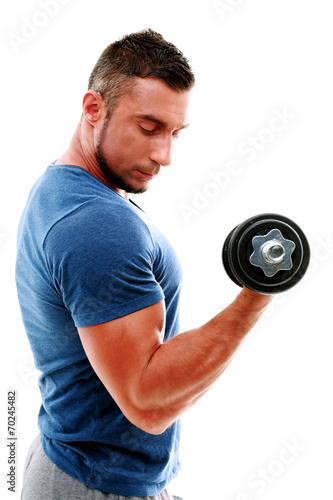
138,191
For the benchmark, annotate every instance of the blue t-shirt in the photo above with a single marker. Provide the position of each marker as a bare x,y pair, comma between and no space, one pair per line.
86,256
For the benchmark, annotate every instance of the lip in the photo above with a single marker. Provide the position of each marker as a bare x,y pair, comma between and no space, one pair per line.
146,175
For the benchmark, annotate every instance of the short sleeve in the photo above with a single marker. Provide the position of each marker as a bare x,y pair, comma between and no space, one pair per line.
101,261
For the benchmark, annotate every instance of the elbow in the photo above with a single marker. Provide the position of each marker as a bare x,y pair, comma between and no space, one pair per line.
149,423
150,414
153,429
153,422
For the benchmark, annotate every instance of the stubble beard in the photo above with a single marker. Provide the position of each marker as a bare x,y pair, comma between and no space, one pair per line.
107,168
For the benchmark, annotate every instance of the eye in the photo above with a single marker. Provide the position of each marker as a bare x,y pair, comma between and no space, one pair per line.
147,131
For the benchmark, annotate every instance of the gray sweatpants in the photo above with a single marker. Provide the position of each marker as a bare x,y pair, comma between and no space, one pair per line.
43,480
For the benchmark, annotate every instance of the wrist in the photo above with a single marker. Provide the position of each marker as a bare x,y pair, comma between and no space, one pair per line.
254,300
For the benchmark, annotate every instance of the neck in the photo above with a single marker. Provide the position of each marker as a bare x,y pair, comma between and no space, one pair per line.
81,154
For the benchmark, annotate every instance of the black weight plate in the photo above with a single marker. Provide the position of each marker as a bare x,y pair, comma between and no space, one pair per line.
226,261
254,277
239,248
245,249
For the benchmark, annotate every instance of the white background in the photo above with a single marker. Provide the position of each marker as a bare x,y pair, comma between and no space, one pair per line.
252,58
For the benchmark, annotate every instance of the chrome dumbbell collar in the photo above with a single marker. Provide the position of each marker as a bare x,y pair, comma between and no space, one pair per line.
272,253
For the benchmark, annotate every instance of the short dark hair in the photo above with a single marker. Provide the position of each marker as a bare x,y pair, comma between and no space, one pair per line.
142,54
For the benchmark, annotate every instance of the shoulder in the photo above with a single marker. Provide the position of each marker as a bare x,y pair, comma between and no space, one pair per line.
100,226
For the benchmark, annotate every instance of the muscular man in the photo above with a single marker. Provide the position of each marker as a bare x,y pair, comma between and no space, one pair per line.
99,288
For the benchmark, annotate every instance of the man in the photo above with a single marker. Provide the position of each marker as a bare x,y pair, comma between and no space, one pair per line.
99,287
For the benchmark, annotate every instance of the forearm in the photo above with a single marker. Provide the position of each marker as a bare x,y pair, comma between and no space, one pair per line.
181,370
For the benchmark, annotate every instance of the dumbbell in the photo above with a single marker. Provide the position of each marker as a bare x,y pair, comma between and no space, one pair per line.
267,253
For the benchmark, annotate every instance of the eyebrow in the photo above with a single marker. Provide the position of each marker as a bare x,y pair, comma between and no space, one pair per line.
153,119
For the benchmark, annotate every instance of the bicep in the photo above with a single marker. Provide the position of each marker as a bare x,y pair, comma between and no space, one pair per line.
119,352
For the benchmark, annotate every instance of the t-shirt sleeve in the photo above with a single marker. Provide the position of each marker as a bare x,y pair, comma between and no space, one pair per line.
101,261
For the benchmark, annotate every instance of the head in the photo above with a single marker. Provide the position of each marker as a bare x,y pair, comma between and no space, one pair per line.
141,75
144,54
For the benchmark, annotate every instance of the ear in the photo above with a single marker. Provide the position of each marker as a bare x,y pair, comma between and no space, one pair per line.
92,106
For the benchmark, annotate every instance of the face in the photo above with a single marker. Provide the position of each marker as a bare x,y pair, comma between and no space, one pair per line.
139,136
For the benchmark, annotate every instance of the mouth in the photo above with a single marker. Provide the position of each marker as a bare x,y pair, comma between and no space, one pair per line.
146,175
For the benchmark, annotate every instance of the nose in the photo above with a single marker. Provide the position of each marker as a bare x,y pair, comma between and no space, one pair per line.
162,151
